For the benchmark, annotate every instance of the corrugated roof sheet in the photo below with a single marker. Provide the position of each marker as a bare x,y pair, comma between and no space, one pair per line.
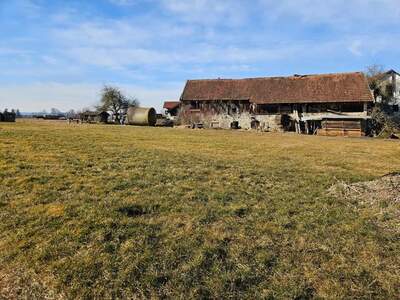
343,87
171,104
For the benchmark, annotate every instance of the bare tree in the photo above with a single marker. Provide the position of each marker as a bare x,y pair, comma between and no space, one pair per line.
383,90
71,114
112,99
374,70
382,122
55,111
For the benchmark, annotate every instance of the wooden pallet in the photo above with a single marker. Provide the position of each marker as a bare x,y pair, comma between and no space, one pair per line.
340,132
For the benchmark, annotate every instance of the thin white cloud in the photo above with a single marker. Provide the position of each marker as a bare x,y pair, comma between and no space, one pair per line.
13,51
118,58
122,58
344,14
124,2
208,12
106,33
38,96
356,47
29,8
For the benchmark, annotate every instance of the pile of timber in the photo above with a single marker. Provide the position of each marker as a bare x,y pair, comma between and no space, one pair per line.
351,128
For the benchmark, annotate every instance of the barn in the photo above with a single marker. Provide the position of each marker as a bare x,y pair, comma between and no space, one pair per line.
308,104
171,108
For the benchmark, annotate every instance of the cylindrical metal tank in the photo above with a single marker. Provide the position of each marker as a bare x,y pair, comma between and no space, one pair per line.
141,116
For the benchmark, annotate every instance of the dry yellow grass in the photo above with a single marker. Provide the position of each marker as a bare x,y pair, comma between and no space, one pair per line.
119,212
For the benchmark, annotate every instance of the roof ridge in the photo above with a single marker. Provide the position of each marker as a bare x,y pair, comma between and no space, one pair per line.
279,77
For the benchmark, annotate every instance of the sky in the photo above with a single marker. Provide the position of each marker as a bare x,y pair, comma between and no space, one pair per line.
59,53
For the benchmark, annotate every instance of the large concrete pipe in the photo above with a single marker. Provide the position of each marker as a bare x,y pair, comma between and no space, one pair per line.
141,116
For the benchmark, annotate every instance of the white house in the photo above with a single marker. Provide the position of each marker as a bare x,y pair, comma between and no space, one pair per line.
391,79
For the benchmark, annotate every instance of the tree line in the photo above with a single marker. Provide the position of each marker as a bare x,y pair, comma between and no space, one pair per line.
12,111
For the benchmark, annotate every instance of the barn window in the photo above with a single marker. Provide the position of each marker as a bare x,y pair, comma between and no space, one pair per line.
315,108
268,109
286,109
244,107
352,107
194,104
334,107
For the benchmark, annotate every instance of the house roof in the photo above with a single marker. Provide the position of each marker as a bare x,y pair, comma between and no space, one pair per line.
383,77
343,87
392,72
171,104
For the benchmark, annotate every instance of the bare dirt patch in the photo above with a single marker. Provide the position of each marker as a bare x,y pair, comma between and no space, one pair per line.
20,284
380,198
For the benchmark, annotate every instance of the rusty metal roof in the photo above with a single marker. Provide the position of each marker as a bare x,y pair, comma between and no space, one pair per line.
171,104
342,87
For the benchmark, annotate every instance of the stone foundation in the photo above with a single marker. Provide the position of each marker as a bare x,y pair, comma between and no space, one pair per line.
223,121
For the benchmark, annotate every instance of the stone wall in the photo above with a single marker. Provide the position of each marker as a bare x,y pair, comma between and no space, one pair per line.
224,121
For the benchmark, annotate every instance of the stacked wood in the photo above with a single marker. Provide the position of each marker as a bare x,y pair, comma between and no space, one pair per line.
351,128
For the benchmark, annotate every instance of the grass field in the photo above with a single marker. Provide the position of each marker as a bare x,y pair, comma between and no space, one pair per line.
91,211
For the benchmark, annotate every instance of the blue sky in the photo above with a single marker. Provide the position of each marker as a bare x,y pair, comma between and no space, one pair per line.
58,53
